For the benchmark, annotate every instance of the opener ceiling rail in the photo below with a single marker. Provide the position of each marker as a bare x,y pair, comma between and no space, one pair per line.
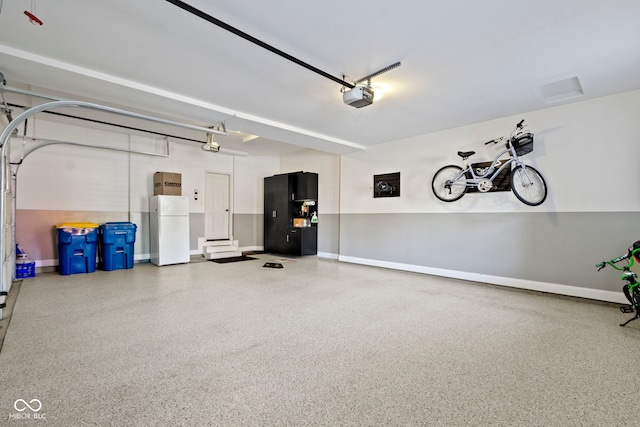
5,186
237,32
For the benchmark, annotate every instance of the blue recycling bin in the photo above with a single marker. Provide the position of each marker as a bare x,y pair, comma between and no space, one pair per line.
117,242
77,244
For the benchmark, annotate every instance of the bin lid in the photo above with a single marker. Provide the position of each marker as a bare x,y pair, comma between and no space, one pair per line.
77,225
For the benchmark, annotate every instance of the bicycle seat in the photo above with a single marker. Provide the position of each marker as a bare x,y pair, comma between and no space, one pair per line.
465,154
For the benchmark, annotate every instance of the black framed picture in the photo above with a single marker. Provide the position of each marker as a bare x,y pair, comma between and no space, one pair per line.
386,185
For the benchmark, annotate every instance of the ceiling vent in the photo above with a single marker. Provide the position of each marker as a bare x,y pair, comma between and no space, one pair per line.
561,90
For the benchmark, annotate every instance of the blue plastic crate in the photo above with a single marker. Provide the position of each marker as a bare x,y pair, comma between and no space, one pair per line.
117,244
25,269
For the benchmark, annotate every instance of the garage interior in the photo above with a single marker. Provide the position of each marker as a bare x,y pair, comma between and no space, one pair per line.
413,311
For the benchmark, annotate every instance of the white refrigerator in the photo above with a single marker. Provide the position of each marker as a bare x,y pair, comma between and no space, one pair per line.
169,229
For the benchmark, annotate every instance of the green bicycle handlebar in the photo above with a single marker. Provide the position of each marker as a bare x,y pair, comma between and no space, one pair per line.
631,255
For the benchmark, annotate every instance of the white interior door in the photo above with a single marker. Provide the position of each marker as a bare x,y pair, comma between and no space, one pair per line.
217,207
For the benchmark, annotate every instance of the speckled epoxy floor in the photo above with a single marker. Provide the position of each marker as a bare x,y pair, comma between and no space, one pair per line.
318,342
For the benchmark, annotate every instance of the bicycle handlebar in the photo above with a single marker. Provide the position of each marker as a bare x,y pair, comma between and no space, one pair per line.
496,140
612,262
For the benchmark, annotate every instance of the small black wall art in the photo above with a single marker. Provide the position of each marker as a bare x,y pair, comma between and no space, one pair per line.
386,185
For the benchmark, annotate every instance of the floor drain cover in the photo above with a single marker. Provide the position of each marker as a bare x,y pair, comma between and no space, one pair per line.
273,265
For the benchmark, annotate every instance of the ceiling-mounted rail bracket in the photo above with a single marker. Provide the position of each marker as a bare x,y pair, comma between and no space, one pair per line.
377,73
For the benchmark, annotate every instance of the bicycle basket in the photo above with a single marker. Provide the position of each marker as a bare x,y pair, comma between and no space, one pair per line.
523,144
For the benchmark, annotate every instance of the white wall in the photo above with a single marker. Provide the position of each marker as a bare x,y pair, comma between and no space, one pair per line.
249,181
327,166
63,183
587,152
63,177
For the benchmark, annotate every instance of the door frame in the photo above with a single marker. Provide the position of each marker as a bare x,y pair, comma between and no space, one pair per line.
230,175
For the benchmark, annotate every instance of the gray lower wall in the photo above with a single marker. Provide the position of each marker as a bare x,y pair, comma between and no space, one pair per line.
329,233
36,229
36,233
248,229
196,229
559,248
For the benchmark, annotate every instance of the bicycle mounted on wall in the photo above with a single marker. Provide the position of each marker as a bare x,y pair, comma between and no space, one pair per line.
631,289
451,182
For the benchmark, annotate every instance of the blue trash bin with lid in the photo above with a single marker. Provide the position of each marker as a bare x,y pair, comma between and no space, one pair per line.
117,240
77,243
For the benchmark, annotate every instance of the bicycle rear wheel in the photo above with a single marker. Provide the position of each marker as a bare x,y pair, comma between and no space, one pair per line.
528,185
442,185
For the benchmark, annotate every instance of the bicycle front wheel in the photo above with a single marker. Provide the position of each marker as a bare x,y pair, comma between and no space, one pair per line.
528,185
445,188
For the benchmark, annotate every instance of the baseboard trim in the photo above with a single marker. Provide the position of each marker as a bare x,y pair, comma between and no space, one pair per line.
251,248
137,258
554,288
46,263
328,255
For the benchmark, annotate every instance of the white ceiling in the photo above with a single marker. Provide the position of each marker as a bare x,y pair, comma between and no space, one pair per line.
463,62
